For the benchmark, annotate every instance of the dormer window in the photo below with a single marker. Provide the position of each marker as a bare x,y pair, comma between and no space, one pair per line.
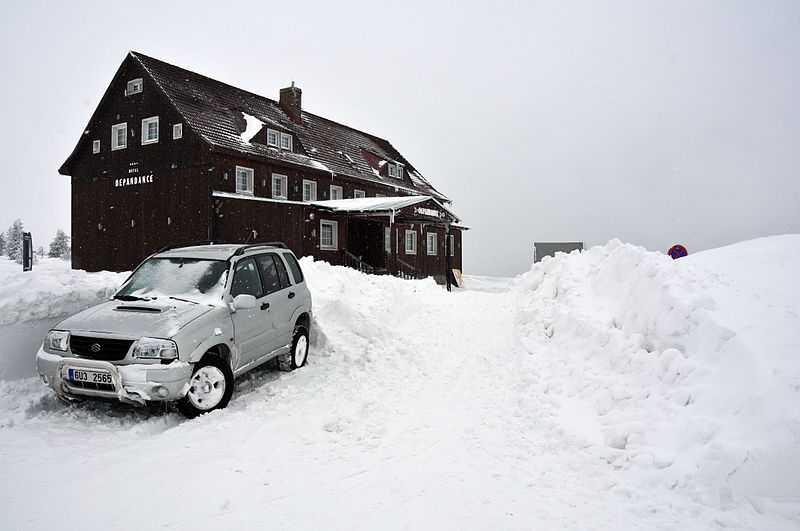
396,170
134,86
272,138
286,141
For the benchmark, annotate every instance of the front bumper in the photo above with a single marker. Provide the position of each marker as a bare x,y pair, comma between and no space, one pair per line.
134,383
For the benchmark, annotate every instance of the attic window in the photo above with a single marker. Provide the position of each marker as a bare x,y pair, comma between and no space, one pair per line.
396,170
286,141
272,138
177,131
134,86
95,146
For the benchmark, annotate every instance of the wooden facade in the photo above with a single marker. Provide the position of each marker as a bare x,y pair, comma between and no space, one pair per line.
129,202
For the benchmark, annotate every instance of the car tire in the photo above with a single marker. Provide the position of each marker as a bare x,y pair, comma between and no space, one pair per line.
210,387
298,356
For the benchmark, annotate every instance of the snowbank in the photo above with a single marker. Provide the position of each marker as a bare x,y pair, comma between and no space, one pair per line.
32,302
683,373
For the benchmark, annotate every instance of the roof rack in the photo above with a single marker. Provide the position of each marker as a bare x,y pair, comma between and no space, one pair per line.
189,244
244,248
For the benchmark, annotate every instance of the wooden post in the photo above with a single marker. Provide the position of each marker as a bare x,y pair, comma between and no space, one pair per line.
447,264
392,245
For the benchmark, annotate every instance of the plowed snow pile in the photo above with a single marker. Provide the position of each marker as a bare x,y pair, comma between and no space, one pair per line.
684,374
611,389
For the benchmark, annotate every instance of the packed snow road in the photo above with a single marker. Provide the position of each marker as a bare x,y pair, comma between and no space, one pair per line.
583,394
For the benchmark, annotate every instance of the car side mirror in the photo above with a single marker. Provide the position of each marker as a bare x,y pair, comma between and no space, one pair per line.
243,301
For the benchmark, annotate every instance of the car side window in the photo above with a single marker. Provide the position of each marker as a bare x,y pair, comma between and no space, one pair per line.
294,266
246,279
270,275
282,274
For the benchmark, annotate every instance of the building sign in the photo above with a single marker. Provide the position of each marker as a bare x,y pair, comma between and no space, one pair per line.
429,212
132,181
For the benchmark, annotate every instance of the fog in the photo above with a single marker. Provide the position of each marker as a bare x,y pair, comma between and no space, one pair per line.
653,122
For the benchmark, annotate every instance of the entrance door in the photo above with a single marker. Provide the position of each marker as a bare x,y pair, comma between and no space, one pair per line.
365,239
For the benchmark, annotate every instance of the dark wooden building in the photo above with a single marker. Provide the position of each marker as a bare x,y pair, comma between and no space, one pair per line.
171,156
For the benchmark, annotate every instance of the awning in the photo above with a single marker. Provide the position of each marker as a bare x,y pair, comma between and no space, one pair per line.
379,204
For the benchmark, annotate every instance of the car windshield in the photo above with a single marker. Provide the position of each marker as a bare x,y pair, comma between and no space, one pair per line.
187,279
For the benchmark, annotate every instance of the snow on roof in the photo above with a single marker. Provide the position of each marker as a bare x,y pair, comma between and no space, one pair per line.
254,125
372,204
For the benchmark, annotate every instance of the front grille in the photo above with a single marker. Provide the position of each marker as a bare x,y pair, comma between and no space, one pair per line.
91,385
109,349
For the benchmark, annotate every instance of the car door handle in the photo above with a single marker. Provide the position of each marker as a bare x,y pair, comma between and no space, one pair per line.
291,294
265,306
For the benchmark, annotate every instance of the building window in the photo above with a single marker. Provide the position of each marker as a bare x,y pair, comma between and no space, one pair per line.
387,240
309,190
134,86
431,243
286,141
150,130
336,192
396,170
452,245
177,131
399,171
95,146
411,242
119,136
359,193
328,235
380,195
244,180
278,186
272,138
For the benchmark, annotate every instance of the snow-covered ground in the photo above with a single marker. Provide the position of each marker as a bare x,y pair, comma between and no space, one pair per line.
609,389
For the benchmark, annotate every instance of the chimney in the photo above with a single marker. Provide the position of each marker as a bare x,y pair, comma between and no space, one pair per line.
290,102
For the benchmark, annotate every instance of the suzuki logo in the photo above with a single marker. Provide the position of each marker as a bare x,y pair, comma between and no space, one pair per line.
95,348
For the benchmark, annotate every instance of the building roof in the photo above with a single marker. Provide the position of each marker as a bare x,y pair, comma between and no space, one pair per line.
225,116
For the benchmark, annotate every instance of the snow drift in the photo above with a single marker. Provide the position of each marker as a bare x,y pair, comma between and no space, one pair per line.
685,372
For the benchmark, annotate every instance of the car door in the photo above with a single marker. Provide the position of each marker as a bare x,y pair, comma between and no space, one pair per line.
280,296
254,332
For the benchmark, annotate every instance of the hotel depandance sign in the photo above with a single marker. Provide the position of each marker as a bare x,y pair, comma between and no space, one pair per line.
432,212
134,181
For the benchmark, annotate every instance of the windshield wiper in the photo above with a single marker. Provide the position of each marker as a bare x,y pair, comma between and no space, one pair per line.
184,300
130,298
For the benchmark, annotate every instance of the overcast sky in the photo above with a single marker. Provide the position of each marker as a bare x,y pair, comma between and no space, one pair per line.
653,122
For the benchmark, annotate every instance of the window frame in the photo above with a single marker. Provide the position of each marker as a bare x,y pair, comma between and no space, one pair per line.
334,245
313,192
132,84
452,244
114,136
95,147
284,186
339,195
435,240
250,176
392,170
359,194
146,130
277,138
286,136
177,131
413,248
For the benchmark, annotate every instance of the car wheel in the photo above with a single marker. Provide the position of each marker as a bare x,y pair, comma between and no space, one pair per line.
299,353
210,387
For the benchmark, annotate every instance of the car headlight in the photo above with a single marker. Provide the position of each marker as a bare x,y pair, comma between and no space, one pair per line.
152,348
57,340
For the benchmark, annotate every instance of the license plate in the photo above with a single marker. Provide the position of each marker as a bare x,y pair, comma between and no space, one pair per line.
83,375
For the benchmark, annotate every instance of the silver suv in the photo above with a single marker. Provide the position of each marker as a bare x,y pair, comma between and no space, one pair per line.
187,321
